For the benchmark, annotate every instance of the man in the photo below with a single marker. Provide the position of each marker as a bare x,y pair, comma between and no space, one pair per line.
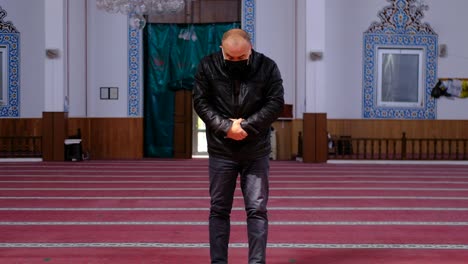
238,93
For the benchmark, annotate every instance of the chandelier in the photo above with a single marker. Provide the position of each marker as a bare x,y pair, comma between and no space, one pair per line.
137,9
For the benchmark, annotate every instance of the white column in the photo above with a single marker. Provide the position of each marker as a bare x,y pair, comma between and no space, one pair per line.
311,86
56,82
301,58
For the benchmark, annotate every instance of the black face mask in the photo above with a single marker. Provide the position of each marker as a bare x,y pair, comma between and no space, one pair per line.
237,70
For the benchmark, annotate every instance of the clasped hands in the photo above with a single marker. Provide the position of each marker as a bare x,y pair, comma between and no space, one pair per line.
236,132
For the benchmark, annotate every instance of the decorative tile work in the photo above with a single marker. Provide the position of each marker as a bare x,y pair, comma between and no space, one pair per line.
400,27
134,72
248,18
135,50
10,38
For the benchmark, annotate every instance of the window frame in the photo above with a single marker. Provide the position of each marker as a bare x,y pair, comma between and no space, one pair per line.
4,71
381,51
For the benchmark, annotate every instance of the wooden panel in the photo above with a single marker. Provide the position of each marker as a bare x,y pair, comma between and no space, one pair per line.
315,137
295,130
376,129
309,138
283,139
183,125
395,128
20,127
203,11
217,11
116,138
47,138
54,133
110,138
60,134
321,139
182,17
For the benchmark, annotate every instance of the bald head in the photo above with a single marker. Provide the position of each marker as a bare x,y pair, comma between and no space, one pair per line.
236,45
236,33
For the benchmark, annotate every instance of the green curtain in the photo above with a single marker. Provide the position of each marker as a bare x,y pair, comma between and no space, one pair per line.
172,53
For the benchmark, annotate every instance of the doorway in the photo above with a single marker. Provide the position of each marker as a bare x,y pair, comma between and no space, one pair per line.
186,136
199,146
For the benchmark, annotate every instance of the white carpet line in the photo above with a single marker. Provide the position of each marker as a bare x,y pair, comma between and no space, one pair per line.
450,247
291,173
399,162
286,171
271,208
236,223
443,198
206,176
20,160
272,188
195,163
271,182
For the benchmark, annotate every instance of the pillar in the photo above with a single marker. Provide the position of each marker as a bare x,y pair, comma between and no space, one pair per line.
314,139
55,116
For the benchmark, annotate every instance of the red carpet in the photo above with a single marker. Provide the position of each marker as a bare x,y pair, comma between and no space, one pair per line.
156,212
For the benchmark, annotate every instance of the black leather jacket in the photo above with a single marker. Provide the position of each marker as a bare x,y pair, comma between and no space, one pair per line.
258,100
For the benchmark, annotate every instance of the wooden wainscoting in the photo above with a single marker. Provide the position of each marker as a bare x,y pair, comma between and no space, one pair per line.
54,133
314,143
283,139
20,127
369,128
399,139
183,125
21,137
102,138
110,138
376,128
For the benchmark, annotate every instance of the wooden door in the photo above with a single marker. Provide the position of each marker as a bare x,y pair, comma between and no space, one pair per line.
183,125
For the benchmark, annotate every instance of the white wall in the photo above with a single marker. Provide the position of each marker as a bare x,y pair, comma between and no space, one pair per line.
447,18
107,61
345,23
77,85
32,52
56,68
275,37
315,83
285,30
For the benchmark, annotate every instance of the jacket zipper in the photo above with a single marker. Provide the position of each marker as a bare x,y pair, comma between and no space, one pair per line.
236,93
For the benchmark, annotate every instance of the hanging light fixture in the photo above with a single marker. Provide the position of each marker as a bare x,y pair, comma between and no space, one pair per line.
137,9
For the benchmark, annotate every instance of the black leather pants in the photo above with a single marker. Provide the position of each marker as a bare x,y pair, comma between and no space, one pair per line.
254,185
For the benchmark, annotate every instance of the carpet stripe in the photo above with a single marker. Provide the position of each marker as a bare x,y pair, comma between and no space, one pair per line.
236,197
342,175
203,171
272,208
313,206
206,189
271,182
241,223
234,245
